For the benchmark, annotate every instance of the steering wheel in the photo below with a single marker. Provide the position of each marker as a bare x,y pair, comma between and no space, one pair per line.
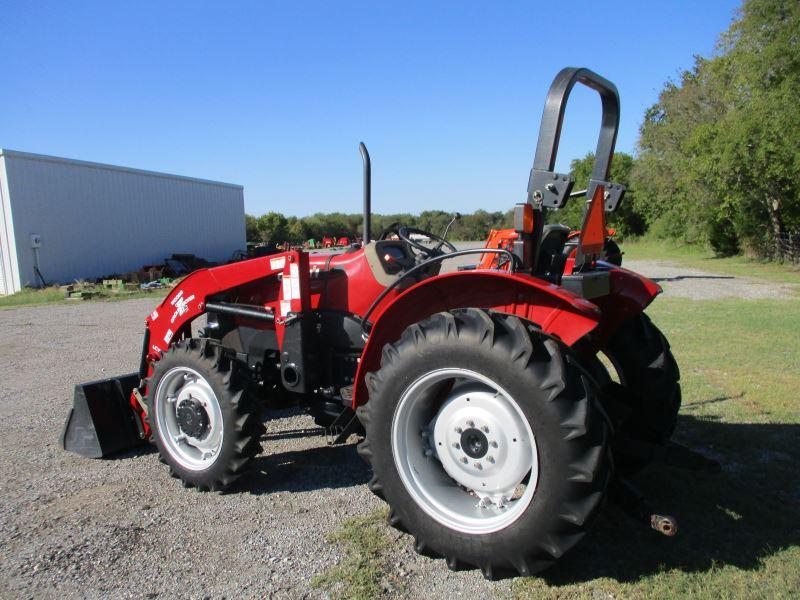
390,229
404,233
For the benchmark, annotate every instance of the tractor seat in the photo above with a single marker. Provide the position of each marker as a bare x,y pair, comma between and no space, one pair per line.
554,236
550,264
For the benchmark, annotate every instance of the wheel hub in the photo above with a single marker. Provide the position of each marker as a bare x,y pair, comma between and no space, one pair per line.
482,443
474,443
192,418
469,460
189,418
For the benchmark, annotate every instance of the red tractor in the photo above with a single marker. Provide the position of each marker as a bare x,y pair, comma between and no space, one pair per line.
492,421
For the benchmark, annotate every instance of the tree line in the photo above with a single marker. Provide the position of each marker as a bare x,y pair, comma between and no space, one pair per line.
278,228
717,161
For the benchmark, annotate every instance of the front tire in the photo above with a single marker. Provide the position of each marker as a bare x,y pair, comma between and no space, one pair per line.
204,423
523,479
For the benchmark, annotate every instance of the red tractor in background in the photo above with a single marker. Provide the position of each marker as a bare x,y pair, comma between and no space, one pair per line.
500,404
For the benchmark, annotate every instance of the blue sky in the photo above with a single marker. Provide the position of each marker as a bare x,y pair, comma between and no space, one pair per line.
276,96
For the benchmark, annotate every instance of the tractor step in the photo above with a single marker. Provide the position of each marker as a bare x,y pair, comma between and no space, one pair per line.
101,421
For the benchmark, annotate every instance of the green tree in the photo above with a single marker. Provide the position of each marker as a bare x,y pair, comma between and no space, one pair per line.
755,163
296,231
272,227
718,159
251,228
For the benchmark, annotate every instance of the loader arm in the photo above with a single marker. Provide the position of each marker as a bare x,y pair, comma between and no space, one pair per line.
190,299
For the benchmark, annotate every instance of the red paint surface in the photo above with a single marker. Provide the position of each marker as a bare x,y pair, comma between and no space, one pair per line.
344,282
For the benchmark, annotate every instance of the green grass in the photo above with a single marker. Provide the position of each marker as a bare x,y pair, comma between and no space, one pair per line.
55,295
739,535
362,574
738,530
28,296
700,258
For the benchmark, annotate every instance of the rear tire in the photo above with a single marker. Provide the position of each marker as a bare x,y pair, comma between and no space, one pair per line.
523,388
645,365
649,388
204,423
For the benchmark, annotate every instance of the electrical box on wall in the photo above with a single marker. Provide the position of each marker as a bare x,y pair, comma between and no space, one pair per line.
36,240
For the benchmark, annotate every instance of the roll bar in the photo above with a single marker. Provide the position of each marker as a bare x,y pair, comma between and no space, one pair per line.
549,189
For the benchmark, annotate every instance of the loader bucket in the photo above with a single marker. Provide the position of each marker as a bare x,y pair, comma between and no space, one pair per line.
101,421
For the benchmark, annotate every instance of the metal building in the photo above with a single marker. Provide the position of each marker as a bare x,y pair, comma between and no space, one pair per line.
78,220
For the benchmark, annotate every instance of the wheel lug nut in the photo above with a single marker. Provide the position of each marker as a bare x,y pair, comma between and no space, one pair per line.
485,429
428,452
464,460
470,423
478,466
490,459
494,444
456,445
459,430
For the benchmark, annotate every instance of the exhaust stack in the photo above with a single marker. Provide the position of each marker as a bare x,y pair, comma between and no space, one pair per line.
367,192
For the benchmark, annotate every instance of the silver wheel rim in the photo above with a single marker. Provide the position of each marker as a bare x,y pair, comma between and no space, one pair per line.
441,458
179,384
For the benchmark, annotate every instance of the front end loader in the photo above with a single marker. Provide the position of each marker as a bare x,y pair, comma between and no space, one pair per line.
493,423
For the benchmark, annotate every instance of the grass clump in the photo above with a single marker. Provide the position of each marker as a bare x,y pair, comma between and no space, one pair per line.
28,296
362,574
57,295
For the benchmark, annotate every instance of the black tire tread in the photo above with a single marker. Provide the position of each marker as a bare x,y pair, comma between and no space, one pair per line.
651,373
582,427
247,425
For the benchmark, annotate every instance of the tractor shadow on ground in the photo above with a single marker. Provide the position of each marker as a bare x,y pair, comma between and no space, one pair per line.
314,466
737,517
683,277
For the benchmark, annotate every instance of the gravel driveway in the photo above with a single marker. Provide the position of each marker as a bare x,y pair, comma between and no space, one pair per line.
703,285
123,528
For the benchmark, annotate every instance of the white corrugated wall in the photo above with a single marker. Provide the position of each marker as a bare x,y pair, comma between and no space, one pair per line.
7,249
98,219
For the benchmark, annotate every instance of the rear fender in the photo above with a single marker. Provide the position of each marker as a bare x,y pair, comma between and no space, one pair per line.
631,293
556,311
